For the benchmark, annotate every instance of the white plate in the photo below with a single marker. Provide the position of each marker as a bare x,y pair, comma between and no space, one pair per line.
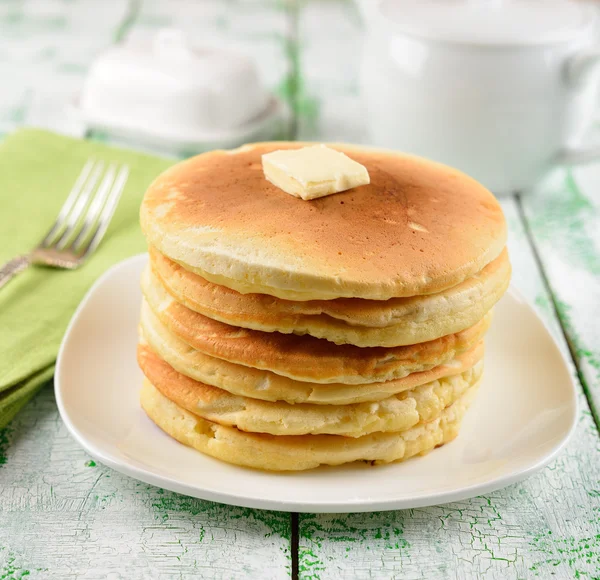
524,415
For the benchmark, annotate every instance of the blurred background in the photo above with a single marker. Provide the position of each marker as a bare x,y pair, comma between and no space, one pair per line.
479,84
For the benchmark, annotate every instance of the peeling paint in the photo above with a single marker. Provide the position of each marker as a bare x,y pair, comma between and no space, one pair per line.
4,443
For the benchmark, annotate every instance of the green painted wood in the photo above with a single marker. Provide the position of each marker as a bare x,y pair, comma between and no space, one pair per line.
64,516
564,218
547,526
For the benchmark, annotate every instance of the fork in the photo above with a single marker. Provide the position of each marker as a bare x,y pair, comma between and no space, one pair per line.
81,223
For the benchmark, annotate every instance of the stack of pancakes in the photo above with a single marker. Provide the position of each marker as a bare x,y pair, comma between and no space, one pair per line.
283,334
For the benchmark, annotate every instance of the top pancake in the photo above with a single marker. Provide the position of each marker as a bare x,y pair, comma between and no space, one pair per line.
418,228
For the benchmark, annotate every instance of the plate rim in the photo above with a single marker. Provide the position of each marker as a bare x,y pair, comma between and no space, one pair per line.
300,506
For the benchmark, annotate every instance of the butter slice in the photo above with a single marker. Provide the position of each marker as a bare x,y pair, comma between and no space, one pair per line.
313,172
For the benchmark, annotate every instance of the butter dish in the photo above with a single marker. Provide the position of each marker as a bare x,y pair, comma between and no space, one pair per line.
162,91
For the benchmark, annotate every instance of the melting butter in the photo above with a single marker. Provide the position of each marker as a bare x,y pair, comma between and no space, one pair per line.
313,172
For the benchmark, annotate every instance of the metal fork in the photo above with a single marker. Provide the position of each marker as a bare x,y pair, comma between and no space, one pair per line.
81,223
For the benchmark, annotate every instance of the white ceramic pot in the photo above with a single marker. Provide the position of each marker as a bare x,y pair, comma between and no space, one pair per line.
500,90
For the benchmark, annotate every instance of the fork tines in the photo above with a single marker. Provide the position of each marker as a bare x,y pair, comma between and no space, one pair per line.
88,209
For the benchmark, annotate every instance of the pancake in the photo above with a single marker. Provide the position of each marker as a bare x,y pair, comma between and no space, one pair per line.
396,413
418,228
299,452
393,322
268,386
303,358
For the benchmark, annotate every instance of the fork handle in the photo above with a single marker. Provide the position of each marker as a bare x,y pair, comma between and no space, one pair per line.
12,268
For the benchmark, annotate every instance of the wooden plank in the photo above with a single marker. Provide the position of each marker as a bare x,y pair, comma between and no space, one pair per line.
547,525
564,218
62,515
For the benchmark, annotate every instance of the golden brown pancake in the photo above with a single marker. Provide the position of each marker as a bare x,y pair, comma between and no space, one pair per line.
267,386
299,452
393,322
418,228
397,413
303,358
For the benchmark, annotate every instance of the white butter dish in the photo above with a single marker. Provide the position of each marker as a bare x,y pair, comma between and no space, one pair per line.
163,92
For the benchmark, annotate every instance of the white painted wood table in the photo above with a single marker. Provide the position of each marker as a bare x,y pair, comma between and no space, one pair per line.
63,516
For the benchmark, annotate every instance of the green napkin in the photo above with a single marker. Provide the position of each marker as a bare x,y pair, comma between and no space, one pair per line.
37,170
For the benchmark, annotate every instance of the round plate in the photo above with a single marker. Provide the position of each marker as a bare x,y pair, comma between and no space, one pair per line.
524,414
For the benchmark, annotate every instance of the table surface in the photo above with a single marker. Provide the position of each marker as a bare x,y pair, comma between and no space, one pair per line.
64,516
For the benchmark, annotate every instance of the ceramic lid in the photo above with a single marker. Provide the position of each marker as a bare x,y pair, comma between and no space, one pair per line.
490,21
164,84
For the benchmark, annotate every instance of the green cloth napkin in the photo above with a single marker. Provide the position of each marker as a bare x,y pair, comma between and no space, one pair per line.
37,170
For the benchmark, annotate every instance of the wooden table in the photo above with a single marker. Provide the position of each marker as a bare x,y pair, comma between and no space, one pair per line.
63,516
